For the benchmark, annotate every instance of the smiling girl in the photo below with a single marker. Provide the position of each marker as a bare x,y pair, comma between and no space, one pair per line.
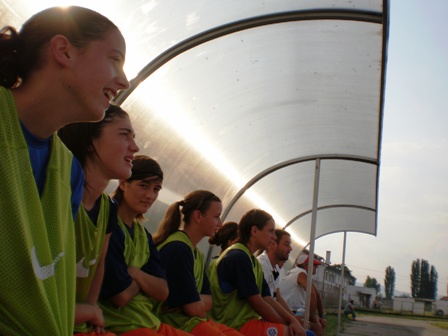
105,150
134,275
64,65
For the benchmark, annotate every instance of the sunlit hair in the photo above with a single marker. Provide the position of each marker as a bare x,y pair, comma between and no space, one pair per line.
196,200
254,217
228,231
21,53
279,233
143,168
78,137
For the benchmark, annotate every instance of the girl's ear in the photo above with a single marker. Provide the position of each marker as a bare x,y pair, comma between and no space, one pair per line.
62,50
121,184
253,230
197,215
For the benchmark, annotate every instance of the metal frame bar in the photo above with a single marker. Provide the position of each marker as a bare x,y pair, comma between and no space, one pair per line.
230,28
287,163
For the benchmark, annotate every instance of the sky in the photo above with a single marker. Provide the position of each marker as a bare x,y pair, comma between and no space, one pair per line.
413,188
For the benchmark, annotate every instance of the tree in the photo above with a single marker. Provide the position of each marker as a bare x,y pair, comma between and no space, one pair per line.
389,282
425,285
433,278
372,283
423,280
415,278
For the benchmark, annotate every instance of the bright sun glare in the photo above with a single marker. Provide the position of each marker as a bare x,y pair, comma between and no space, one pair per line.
182,125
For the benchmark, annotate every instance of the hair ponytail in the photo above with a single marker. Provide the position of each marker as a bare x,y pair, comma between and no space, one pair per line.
9,60
169,224
229,231
196,200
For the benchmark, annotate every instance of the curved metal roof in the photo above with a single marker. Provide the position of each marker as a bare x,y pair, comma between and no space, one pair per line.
255,99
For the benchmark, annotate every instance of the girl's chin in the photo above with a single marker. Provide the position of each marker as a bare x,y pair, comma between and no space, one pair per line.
144,210
125,173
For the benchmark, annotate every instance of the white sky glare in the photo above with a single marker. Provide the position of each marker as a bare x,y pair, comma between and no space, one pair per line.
413,191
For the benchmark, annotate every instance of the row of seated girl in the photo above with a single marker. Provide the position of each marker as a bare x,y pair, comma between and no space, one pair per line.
130,283
58,74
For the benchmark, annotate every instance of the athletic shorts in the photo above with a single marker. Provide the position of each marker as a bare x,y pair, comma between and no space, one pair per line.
211,328
93,333
259,327
164,330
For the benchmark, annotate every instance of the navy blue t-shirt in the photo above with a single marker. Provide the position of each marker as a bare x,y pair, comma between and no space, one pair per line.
39,151
113,214
116,276
235,271
179,264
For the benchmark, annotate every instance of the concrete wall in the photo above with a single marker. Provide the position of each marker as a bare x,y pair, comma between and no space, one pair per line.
408,305
362,296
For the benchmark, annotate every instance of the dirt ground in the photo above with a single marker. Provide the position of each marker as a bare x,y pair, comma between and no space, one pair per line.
391,326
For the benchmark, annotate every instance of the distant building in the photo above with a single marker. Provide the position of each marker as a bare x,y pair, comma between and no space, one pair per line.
362,296
328,280
440,307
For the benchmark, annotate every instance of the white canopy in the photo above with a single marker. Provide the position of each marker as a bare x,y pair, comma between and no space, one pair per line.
242,97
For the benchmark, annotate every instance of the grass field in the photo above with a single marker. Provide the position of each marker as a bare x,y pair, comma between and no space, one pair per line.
332,320
441,325
332,323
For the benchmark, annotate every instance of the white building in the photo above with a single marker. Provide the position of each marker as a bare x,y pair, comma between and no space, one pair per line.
328,280
363,297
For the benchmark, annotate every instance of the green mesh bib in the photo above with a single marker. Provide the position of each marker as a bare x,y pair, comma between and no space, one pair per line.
89,243
138,312
178,320
228,308
37,249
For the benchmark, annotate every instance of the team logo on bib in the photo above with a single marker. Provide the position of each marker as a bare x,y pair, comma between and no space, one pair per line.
271,331
46,271
81,271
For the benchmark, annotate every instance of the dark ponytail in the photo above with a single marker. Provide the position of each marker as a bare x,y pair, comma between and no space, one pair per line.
196,200
9,61
229,231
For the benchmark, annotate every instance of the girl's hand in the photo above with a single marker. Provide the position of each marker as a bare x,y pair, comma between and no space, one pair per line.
97,322
295,329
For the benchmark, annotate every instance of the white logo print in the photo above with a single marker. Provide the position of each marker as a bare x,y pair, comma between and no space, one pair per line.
81,271
43,272
272,331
